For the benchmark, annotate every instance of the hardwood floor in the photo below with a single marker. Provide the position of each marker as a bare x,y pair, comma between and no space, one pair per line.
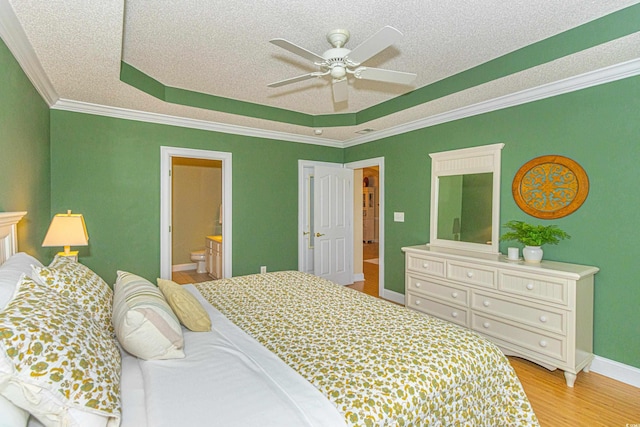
189,276
370,270
595,401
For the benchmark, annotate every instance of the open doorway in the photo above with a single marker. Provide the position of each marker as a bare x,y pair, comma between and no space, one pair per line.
369,220
220,217
196,217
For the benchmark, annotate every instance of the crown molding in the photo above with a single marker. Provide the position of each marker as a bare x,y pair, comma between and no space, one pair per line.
571,84
142,116
16,40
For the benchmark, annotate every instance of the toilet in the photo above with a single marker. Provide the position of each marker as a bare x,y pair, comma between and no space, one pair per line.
199,258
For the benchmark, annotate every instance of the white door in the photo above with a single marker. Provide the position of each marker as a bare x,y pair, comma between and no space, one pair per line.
332,231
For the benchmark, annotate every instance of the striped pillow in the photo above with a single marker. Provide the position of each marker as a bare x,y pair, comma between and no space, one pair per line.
143,321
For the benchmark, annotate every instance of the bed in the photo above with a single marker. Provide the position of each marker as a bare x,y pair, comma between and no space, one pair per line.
291,349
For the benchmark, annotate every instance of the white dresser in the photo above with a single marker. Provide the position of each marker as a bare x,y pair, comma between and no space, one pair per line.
540,312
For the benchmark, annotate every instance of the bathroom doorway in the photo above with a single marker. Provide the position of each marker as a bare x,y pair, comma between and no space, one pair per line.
188,195
196,212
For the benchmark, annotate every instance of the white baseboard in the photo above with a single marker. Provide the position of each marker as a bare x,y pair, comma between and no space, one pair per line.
358,277
616,370
184,267
396,297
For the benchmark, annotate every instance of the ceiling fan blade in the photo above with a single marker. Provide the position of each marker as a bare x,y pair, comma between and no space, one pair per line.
300,51
374,45
381,75
340,90
296,79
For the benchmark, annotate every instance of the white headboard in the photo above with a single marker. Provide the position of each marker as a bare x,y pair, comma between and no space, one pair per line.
9,234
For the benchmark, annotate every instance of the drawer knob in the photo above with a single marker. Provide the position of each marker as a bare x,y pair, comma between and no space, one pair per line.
469,274
486,303
425,265
454,294
417,302
454,314
486,325
530,286
543,319
417,284
543,343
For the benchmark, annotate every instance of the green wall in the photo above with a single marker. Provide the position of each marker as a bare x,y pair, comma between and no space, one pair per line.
24,158
109,170
597,127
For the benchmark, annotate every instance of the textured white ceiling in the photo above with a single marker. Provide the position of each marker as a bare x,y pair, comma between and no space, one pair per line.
221,48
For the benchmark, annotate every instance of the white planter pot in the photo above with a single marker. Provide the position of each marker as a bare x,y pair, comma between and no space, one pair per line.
532,254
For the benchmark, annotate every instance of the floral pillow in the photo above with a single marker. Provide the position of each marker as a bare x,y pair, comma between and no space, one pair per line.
55,362
80,284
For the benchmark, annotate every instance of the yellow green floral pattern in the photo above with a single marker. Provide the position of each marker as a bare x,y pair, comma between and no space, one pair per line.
54,344
379,363
80,284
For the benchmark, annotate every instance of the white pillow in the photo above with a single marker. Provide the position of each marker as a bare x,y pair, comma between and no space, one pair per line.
10,273
11,415
55,362
143,321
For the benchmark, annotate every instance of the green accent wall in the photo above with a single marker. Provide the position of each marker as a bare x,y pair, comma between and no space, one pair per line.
24,154
109,170
597,127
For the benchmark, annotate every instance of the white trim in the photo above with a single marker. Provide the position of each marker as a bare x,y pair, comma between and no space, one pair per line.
147,117
166,153
616,370
358,277
9,233
393,296
184,267
360,164
18,43
570,84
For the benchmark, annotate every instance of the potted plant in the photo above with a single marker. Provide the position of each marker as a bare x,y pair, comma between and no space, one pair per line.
532,237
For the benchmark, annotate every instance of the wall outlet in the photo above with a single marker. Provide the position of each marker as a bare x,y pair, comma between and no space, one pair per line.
263,269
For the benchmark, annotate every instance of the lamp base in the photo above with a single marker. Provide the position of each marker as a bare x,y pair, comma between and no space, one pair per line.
73,255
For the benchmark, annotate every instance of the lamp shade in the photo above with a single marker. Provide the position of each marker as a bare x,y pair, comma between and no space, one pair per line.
67,230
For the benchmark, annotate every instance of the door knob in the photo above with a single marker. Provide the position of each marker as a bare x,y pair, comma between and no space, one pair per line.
319,234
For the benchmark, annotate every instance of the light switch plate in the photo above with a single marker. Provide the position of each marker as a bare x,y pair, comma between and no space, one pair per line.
398,216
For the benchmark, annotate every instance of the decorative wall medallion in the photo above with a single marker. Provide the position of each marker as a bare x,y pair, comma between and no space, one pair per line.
550,187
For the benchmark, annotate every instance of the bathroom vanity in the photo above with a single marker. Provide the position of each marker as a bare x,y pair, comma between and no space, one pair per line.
214,256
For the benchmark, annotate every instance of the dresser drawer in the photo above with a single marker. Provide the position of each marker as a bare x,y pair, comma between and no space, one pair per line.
472,274
534,286
425,265
532,341
422,285
549,320
437,309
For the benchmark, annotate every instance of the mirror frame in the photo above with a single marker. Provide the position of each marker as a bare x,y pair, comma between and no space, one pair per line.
466,161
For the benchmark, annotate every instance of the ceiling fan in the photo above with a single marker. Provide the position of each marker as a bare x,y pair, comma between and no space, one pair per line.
338,61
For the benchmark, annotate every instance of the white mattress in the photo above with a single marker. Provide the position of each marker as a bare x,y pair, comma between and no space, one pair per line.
226,379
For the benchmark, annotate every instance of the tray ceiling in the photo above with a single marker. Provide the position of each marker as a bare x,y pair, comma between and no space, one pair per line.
465,53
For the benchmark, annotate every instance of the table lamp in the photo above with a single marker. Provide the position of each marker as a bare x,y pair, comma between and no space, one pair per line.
67,230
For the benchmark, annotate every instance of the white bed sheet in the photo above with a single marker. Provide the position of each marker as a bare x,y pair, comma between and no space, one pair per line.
227,379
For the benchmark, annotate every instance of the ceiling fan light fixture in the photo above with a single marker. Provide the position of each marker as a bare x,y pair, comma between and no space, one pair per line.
338,72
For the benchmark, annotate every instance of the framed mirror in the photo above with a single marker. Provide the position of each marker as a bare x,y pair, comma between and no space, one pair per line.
465,199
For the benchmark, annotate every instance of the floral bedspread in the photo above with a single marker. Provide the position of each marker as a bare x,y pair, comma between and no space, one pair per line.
379,363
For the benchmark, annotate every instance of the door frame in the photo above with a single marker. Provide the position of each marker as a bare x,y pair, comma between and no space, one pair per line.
166,200
361,164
